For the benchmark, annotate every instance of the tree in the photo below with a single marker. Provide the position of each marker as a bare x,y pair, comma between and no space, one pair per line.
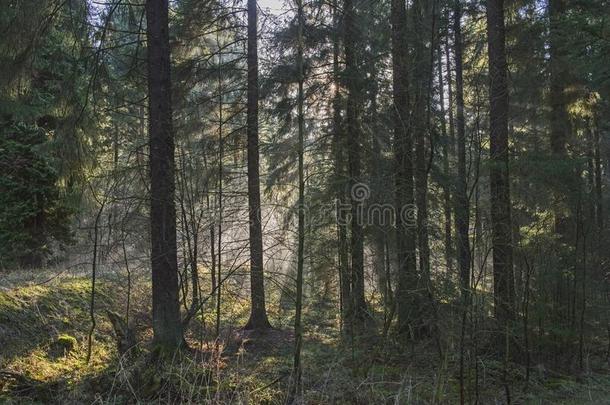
354,170
559,120
462,204
504,292
34,214
258,313
43,128
446,144
298,327
167,326
420,23
338,145
403,151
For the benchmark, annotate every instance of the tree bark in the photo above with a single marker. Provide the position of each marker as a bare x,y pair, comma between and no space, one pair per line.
258,313
462,204
559,120
560,124
403,152
339,161
167,327
220,183
504,292
354,169
298,327
378,186
421,134
447,203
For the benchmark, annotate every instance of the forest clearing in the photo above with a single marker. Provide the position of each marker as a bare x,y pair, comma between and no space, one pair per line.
305,201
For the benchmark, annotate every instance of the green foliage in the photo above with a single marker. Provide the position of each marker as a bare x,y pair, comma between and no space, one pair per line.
43,125
34,213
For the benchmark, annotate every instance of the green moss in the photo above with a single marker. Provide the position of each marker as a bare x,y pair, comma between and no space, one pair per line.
66,343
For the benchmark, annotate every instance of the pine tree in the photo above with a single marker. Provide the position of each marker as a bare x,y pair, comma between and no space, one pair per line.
462,204
353,134
504,291
167,326
403,150
258,312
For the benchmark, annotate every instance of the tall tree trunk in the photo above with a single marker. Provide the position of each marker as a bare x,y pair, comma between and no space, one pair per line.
167,327
450,97
559,120
420,16
504,293
378,187
447,206
462,204
403,151
559,115
354,170
258,313
339,158
298,327
220,184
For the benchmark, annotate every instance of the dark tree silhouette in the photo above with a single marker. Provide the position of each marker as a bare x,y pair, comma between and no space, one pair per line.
403,150
258,313
504,290
164,263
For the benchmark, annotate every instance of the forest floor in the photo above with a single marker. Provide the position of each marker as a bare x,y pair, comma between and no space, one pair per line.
45,321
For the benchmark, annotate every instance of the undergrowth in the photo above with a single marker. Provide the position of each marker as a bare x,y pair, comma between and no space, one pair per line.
43,346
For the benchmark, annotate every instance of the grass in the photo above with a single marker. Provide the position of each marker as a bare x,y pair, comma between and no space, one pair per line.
43,342
43,330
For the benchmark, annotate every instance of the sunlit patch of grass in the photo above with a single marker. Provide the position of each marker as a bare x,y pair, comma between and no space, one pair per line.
44,332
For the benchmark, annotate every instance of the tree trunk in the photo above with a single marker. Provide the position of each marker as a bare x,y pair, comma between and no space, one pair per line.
447,205
298,327
559,120
559,115
220,184
258,314
377,224
354,170
338,147
420,127
167,327
403,146
462,204
504,293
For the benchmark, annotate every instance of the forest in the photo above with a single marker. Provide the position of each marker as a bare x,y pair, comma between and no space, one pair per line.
305,201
